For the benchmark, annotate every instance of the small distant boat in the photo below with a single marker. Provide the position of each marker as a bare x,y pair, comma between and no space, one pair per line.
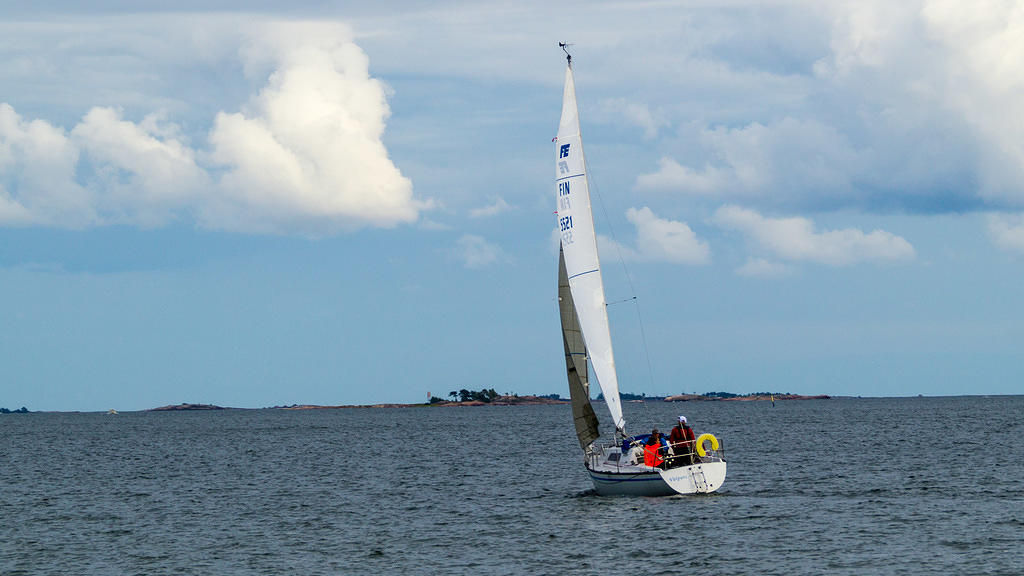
111,411
617,468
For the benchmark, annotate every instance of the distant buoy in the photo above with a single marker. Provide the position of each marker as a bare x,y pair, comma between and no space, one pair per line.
700,443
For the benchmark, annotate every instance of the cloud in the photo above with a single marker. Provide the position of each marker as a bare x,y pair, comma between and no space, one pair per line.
639,114
497,207
1007,231
673,176
880,106
659,240
763,268
310,153
787,161
476,252
794,107
433,225
305,155
141,173
982,80
37,175
795,239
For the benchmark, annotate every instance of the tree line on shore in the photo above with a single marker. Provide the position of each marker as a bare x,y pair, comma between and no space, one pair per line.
486,395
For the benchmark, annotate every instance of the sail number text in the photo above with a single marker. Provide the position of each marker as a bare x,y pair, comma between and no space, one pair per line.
563,196
565,227
565,222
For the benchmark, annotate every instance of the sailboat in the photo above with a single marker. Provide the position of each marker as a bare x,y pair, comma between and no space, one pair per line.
618,467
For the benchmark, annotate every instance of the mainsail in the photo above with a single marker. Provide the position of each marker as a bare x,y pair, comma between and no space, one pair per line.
579,249
575,361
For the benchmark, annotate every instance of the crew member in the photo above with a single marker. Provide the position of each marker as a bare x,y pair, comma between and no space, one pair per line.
653,451
682,442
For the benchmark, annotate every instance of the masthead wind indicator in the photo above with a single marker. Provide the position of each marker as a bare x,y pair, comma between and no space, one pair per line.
565,48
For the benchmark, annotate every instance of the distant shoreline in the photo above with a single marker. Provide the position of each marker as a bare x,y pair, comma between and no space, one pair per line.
750,398
501,401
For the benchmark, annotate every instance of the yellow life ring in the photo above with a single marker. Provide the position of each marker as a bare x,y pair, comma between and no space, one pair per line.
700,443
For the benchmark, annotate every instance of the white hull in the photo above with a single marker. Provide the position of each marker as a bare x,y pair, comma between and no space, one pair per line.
612,478
696,479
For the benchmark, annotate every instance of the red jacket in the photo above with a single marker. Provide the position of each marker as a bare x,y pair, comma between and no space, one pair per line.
652,456
681,439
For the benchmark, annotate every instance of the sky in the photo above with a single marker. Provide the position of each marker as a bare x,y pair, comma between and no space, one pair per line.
250,205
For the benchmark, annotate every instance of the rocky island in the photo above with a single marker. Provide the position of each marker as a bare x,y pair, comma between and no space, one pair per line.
184,406
499,400
742,398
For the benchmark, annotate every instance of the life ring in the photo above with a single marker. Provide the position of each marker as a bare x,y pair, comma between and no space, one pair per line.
700,443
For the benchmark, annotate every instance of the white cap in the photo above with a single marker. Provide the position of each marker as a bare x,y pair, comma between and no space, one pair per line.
682,419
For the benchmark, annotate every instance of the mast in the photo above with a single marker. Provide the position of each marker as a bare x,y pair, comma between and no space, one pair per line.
579,247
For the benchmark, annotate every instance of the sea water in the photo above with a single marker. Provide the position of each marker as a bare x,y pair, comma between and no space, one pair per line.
840,486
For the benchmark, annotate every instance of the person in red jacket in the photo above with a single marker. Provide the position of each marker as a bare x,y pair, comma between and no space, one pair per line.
653,450
682,442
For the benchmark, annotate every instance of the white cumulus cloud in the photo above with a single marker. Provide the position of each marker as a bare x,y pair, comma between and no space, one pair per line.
143,173
672,176
982,82
658,240
305,155
37,175
796,239
310,150
1007,231
665,240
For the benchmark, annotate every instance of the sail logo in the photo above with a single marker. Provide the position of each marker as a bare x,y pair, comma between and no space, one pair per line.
564,151
563,188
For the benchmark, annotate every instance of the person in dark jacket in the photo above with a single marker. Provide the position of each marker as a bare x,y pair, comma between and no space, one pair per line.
682,442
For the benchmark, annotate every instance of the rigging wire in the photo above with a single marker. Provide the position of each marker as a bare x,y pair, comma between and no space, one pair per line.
622,261
619,301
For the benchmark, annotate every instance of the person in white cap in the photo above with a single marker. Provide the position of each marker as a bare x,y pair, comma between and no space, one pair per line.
682,442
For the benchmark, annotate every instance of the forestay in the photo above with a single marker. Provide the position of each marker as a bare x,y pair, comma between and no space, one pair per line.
579,246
